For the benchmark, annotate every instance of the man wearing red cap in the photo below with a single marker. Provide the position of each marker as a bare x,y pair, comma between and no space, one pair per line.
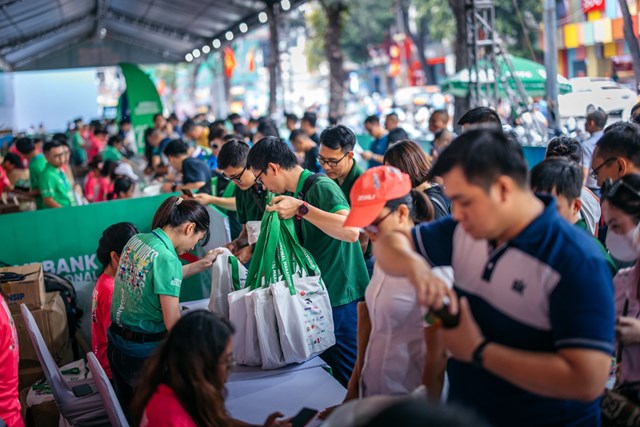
321,213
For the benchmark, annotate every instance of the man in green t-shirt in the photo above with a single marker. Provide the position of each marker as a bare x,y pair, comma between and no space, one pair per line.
113,149
336,158
321,212
37,163
563,179
79,154
55,188
250,198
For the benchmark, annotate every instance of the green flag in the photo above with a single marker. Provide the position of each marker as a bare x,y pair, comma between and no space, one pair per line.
142,100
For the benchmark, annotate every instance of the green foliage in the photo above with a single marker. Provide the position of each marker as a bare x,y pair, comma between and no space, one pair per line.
316,30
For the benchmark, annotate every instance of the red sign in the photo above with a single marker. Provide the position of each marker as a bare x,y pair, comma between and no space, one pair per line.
592,5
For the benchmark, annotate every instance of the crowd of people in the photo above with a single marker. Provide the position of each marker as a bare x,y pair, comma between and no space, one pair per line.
517,287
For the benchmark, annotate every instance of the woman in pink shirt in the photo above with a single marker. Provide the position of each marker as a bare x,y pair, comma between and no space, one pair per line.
183,382
110,246
621,212
9,357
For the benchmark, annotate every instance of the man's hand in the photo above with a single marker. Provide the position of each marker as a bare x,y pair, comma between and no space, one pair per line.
431,290
462,340
233,246
628,330
286,206
367,155
273,421
204,198
244,255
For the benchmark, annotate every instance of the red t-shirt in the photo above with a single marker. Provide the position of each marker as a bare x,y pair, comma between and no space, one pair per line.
101,319
9,358
96,145
164,410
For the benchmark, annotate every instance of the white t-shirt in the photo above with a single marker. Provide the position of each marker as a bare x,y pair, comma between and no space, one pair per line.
395,356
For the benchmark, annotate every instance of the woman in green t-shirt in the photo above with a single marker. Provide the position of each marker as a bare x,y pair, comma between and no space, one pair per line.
147,285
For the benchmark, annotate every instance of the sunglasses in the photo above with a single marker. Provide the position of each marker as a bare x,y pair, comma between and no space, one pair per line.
594,172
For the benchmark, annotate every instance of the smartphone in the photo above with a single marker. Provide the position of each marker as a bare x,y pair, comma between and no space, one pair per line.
82,390
187,192
442,316
303,417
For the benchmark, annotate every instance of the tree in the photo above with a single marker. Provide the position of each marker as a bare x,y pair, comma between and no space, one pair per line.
458,7
334,10
273,63
631,40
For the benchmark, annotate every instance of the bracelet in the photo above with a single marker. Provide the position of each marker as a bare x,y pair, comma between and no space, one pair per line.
477,355
173,187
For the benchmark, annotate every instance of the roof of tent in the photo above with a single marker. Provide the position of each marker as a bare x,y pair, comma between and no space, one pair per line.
50,34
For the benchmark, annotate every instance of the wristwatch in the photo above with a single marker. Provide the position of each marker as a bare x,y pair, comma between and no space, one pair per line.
302,210
477,358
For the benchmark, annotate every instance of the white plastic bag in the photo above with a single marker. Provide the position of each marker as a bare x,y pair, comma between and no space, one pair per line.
243,320
267,331
305,320
227,275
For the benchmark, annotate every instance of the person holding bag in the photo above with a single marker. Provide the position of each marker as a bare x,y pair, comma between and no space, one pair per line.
147,285
621,212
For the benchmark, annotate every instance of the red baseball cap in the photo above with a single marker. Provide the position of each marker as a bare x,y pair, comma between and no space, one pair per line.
371,192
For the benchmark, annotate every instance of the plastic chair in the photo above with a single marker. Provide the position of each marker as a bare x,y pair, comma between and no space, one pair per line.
79,403
109,398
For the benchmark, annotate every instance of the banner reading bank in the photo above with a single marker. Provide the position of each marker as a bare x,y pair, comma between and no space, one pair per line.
65,242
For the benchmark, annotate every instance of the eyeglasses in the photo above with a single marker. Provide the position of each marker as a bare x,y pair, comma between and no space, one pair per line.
238,177
373,227
610,188
594,172
257,180
331,162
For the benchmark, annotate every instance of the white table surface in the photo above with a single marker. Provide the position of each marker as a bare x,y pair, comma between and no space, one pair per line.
253,393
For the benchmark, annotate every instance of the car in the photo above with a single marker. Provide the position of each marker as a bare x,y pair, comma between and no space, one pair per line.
591,93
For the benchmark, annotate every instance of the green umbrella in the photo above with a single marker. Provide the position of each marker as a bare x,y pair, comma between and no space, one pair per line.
532,75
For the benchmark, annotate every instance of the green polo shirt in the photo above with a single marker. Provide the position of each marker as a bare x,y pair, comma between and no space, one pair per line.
581,224
250,204
37,165
111,153
149,267
348,182
341,263
80,154
54,183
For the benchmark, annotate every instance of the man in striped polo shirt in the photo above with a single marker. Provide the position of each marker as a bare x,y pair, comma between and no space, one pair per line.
535,335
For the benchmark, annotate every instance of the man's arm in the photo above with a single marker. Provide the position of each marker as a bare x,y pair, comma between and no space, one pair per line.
51,203
395,255
569,373
329,223
228,203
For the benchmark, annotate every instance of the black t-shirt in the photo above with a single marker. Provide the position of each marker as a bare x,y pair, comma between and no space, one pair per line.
311,160
441,203
196,170
315,138
397,134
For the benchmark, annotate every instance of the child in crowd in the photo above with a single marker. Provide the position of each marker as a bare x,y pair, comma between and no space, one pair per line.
108,253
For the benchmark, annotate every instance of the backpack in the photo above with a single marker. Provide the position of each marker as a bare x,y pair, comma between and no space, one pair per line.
302,195
55,283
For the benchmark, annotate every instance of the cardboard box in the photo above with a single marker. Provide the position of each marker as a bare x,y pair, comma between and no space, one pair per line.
29,291
52,322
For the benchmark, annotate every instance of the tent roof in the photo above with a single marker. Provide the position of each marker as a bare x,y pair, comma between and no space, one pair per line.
49,34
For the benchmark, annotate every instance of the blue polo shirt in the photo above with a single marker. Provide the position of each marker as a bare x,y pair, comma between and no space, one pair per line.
379,146
549,288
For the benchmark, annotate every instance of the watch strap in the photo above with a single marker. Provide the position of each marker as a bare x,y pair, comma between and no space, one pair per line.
477,356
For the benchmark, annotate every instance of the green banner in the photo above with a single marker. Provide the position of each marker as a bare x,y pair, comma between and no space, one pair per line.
143,101
65,241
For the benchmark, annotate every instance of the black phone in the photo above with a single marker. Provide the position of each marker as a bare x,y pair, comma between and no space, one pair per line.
447,319
82,390
303,417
